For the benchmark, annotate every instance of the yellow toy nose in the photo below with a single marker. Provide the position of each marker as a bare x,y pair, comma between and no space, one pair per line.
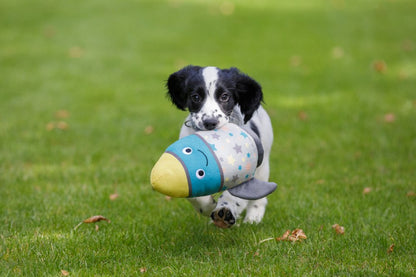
169,177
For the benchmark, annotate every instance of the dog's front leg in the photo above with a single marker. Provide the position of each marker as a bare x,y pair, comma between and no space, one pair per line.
228,210
204,204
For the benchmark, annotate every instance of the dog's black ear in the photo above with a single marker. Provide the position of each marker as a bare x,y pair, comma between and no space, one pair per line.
248,93
176,85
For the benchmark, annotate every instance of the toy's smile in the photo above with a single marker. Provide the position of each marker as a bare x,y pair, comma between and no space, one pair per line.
204,156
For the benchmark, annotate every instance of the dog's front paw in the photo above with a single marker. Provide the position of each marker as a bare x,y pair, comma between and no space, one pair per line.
223,218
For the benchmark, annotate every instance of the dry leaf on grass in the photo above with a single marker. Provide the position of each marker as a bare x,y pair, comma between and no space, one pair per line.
285,236
295,235
407,45
95,218
389,118
391,248
61,114
143,269
114,196
302,115
75,52
92,219
340,230
64,272
380,66
366,190
149,130
411,194
61,125
50,126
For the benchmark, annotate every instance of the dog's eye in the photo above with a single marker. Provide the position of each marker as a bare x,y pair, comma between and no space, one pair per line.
224,97
200,173
187,150
196,98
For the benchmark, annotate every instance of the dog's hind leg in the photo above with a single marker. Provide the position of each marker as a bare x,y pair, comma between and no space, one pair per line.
204,204
257,208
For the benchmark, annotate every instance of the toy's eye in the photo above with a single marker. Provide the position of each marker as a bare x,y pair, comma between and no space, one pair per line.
200,174
187,150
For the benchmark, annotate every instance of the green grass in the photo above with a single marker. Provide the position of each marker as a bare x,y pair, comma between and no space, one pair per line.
106,62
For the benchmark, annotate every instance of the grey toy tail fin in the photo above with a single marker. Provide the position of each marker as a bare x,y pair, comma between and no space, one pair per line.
253,189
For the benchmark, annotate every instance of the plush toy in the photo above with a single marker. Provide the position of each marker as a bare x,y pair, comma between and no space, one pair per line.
211,161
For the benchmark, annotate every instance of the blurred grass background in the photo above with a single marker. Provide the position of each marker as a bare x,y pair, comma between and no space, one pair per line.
84,117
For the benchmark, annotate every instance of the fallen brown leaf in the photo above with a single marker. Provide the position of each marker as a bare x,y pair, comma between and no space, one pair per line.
284,236
64,272
366,190
298,234
407,45
391,248
411,194
389,117
380,66
149,129
95,218
92,219
62,125
143,269
340,230
61,114
295,235
114,196
302,115
50,126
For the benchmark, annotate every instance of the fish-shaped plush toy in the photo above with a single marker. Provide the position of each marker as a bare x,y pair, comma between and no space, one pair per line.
212,161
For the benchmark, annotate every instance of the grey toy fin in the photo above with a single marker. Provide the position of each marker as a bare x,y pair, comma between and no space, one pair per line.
253,189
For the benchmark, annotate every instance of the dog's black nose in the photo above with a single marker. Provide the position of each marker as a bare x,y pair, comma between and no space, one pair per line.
210,123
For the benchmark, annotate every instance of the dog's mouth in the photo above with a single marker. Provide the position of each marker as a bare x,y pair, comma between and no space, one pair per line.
199,126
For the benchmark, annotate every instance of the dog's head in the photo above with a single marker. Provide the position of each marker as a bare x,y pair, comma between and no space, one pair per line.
211,94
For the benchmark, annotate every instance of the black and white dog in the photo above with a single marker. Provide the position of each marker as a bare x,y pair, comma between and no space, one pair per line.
215,97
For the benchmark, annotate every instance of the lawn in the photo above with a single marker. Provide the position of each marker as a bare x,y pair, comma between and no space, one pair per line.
84,117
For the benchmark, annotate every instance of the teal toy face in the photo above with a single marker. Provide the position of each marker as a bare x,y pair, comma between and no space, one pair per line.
202,168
